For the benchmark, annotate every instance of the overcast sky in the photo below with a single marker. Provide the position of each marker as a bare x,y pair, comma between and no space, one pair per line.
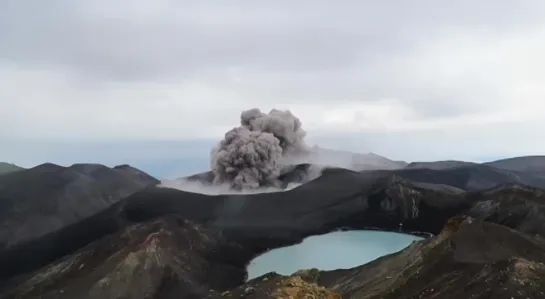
142,81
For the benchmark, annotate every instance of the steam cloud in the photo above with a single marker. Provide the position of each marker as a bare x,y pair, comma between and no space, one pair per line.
268,153
253,154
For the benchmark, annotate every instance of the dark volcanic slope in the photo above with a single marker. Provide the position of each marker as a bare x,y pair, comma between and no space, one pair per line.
439,165
339,198
167,258
530,164
469,259
335,187
145,247
45,198
300,211
470,177
8,167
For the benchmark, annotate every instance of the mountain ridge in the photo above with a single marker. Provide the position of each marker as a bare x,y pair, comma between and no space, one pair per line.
163,243
59,196
532,163
66,231
9,167
373,161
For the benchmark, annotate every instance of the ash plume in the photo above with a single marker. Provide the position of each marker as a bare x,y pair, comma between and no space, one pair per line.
251,155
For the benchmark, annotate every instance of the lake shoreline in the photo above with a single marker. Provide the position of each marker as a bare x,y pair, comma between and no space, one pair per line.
339,249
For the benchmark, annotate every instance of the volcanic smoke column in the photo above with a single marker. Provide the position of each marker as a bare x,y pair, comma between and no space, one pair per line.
252,154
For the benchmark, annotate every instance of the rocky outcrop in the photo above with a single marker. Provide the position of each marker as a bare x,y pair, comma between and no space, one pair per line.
147,260
48,197
470,258
164,243
276,286
463,261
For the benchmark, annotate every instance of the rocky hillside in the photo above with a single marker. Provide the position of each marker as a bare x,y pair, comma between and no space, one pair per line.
48,197
163,243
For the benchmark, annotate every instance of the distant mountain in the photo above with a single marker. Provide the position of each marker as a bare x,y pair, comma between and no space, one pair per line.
39,200
526,164
438,165
325,157
450,175
353,161
521,164
471,177
460,175
164,243
374,161
8,167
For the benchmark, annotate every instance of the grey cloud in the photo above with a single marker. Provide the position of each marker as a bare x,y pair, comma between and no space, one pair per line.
129,49
285,52
109,40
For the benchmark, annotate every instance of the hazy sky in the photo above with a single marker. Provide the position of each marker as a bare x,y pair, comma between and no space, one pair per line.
151,82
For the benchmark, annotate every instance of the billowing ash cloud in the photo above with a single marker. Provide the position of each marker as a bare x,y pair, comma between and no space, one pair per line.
252,154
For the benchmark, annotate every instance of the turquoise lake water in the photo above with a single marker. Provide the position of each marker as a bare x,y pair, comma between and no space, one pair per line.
336,250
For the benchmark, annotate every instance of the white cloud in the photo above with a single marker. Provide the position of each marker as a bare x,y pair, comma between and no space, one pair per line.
168,71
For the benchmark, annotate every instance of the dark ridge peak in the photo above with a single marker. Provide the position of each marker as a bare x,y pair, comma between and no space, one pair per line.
128,168
519,158
123,166
88,167
48,167
335,170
